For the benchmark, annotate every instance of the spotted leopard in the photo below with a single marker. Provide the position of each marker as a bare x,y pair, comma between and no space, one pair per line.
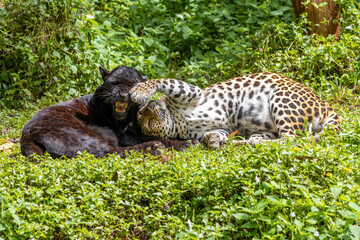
261,107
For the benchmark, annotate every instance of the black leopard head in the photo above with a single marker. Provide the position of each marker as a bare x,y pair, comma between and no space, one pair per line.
112,97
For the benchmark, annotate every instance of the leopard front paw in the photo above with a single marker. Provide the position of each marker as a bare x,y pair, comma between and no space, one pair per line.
141,93
213,140
153,148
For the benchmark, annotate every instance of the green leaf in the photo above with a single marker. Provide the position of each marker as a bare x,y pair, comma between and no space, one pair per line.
354,206
355,230
252,20
56,54
73,69
241,216
265,219
107,24
149,41
16,219
298,223
347,214
187,32
260,206
250,225
335,191
152,59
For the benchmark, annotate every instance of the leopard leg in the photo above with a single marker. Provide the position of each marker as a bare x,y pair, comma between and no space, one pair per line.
177,91
215,139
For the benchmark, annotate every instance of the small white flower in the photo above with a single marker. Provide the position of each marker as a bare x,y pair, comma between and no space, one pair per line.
257,179
190,225
90,16
316,234
279,161
279,228
200,235
292,214
58,180
292,169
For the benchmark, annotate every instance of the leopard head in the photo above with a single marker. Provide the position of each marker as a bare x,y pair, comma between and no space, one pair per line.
113,94
155,119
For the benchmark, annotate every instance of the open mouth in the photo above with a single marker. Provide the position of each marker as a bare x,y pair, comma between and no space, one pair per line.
120,107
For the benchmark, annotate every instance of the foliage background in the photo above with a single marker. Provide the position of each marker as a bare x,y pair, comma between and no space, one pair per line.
50,51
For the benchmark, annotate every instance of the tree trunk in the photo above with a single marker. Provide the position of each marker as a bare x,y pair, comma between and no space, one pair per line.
325,19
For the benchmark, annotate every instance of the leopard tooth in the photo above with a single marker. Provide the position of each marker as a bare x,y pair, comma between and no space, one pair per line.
120,107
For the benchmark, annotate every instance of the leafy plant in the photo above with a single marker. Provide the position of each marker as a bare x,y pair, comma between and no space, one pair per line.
297,190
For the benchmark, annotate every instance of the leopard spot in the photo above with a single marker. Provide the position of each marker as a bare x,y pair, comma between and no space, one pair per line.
285,100
295,113
268,125
241,112
247,83
256,122
294,96
292,105
238,93
256,83
287,119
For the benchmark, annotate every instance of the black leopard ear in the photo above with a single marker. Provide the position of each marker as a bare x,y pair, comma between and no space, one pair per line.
104,72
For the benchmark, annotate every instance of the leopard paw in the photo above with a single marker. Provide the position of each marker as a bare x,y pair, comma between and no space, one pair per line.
154,148
141,93
212,140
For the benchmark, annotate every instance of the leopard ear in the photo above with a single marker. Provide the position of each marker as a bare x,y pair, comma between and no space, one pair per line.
104,72
144,78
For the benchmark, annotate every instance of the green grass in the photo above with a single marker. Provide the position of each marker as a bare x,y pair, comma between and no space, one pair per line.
296,190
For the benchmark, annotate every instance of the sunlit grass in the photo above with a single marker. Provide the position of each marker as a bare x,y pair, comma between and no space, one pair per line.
299,189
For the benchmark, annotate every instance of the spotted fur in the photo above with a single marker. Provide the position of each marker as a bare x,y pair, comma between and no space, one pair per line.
260,107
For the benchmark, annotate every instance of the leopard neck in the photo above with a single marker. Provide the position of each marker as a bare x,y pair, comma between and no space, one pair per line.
177,125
